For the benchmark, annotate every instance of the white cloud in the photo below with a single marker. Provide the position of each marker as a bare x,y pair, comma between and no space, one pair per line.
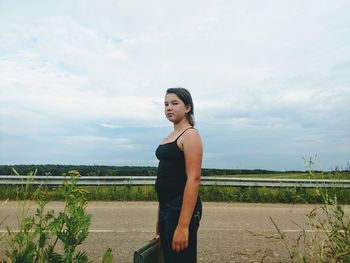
99,72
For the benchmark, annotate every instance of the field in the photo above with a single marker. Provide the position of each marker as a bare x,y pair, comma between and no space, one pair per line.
207,193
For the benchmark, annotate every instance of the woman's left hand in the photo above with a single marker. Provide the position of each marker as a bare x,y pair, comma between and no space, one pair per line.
180,239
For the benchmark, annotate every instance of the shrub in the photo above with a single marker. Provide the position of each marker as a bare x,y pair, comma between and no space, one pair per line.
39,234
328,238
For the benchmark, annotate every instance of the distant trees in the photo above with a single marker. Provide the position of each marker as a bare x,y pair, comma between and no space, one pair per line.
100,170
85,170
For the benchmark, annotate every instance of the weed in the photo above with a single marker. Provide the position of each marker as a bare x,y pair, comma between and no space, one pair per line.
39,234
328,236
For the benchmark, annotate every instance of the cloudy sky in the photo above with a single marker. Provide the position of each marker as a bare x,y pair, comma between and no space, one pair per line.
83,82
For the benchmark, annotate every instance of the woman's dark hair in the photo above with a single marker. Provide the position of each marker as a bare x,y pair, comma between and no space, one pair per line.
186,98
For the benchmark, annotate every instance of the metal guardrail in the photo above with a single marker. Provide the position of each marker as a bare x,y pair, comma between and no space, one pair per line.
150,180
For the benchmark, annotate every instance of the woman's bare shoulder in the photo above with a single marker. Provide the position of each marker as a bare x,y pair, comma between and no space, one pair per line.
191,135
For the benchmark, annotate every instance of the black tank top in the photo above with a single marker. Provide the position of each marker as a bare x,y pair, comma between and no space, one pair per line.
171,174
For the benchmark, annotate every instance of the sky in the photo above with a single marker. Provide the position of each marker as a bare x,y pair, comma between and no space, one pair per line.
83,82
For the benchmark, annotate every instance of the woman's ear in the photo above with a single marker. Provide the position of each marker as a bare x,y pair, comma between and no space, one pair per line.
189,107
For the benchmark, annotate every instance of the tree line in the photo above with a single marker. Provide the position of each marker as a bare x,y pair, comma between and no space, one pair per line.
101,170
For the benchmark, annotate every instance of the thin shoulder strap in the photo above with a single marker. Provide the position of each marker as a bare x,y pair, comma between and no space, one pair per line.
183,133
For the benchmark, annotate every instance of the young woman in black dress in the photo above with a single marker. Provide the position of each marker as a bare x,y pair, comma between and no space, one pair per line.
178,181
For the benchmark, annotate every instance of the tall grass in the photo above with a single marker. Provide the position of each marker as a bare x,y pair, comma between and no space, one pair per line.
327,238
207,193
269,195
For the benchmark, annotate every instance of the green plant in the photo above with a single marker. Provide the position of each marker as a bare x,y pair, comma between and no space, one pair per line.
39,234
337,229
328,236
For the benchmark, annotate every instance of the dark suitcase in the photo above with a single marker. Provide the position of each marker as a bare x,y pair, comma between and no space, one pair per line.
149,253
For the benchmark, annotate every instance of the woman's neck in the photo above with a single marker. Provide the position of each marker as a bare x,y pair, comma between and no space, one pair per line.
180,126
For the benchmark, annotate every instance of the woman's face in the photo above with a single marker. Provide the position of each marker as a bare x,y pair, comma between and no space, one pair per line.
174,108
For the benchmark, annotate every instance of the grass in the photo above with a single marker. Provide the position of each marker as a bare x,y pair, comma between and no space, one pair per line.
327,238
320,175
268,195
207,193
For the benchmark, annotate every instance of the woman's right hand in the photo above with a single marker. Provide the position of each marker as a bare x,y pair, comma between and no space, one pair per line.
156,236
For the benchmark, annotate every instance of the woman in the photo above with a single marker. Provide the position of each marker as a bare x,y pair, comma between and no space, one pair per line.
178,178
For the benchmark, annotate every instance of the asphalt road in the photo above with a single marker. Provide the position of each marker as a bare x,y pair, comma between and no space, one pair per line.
229,232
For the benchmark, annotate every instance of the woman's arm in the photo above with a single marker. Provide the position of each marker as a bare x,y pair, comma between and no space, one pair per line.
157,225
156,236
192,147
